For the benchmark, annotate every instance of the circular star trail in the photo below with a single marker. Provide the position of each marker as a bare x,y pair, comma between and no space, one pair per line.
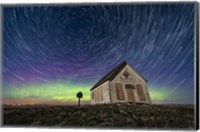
51,52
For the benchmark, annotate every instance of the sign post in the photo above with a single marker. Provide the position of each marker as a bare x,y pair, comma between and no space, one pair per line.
79,95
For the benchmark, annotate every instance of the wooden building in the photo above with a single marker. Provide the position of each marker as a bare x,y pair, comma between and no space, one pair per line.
122,84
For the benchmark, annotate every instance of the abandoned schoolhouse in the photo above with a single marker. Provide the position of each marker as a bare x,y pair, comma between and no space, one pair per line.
121,85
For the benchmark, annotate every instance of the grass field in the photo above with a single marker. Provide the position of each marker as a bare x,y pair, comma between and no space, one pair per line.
111,116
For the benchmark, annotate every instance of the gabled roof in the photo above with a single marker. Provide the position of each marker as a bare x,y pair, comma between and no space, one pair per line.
112,74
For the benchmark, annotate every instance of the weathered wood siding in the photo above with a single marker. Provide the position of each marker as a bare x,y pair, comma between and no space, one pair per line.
101,94
129,76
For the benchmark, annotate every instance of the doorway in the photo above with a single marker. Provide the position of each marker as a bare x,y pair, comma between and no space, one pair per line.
130,92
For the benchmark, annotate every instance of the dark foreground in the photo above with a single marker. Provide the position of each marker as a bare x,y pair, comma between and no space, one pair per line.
117,115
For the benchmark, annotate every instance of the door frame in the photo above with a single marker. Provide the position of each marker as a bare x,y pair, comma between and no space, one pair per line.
133,91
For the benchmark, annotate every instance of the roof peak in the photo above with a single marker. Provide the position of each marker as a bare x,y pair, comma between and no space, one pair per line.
125,62
110,75
122,63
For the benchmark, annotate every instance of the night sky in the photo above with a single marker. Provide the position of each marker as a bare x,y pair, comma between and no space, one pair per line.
52,52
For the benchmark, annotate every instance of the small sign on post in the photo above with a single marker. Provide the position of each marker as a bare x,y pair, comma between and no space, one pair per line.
79,95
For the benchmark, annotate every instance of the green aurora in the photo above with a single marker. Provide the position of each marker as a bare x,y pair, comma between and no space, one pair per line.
66,92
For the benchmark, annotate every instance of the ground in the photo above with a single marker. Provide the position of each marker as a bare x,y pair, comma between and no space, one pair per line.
111,116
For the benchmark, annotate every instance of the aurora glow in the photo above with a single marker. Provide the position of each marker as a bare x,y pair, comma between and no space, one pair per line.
50,53
56,91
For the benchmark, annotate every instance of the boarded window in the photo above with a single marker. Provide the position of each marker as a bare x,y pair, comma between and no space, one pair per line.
92,94
95,98
97,94
100,94
140,92
119,91
102,91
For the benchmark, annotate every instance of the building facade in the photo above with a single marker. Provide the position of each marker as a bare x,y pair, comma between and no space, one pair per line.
122,84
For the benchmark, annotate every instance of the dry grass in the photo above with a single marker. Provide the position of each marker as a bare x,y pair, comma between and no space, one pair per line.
112,116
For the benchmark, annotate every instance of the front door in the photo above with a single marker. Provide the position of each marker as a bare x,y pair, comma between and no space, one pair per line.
130,95
130,92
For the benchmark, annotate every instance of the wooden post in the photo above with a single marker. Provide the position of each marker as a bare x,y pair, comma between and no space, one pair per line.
78,102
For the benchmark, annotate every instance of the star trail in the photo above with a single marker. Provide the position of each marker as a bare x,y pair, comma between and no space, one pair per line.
52,52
